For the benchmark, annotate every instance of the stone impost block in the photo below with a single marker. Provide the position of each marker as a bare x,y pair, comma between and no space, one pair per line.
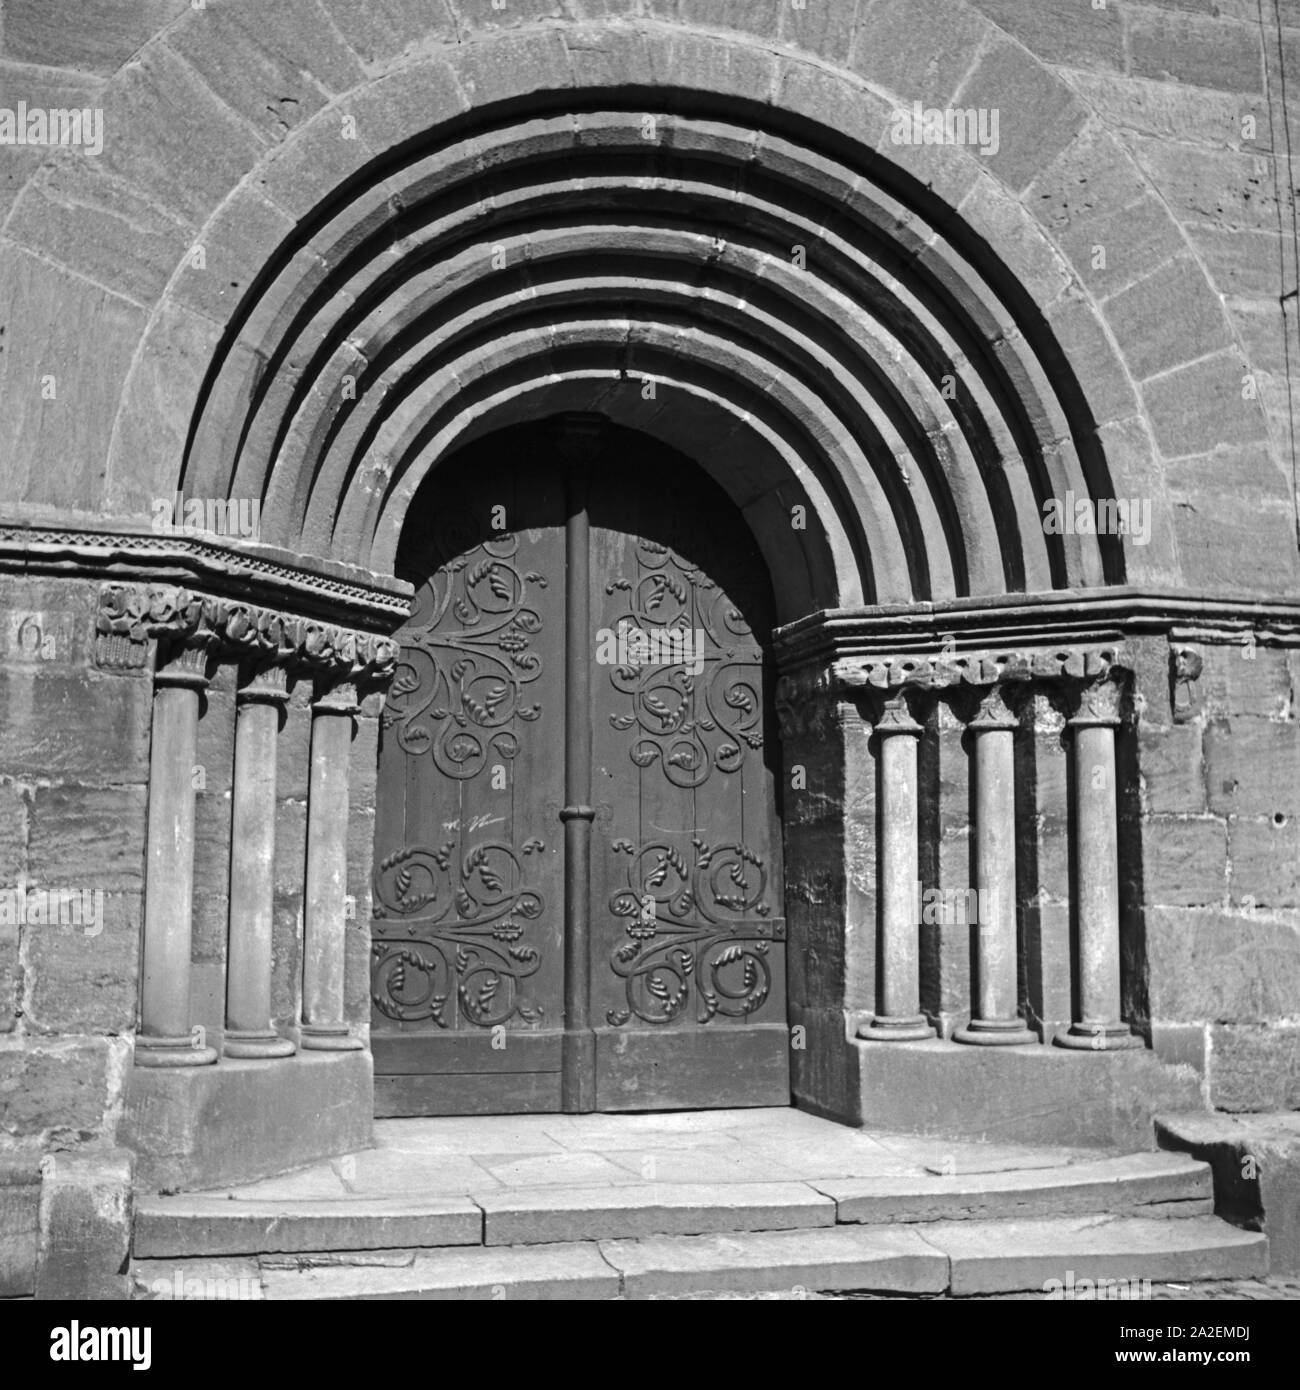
20,1193
196,1127
1031,1094
85,1225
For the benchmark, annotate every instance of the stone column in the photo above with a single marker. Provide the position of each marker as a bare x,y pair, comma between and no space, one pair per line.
899,985
997,1021
165,1037
252,867
1098,1026
324,924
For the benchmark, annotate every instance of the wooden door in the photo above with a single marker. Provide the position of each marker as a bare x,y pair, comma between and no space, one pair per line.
577,817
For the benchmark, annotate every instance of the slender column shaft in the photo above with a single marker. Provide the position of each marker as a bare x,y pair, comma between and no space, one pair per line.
1098,1026
899,991
996,1021
165,1038
324,909
252,866
578,1054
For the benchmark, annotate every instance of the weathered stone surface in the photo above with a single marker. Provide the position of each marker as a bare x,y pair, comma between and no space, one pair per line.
66,726
204,1226
1039,115
195,1127
1264,863
1172,111
1059,31
1025,1094
1186,861
1173,774
388,29
85,1225
83,979
1219,187
275,67
1256,1163
624,1212
1195,408
96,36
48,89
898,46
67,347
20,1194
997,1257
551,1272
1201,52
101,229
1169,317
58,1090
1255,1068
1251,767
1115,1185
87,837
893,1260
1208,965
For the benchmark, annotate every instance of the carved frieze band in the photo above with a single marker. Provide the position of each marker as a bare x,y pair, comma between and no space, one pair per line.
132,615
806,701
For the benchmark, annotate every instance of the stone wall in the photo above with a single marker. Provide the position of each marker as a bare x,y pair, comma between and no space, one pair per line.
1133,207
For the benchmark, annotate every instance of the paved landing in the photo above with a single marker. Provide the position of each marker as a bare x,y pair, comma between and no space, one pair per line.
482,1155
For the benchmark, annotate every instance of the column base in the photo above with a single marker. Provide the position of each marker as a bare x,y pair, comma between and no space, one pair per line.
1098,1037
256,1043
884,1029
172,1052
995,1032
329,1037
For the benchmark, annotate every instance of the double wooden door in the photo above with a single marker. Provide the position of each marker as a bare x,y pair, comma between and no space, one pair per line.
577,894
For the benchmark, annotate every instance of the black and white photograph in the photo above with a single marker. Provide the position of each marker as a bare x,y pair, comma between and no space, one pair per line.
649,652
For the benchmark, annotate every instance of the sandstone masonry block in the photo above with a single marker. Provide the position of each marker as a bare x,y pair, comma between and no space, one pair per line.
87,837
1202,53
1186,861
1253,767
1169,317
85,1223
1255,1069
94,36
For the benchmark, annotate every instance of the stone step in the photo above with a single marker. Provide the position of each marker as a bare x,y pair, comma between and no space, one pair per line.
200,1224
196,1224
1064,1257
1144,1184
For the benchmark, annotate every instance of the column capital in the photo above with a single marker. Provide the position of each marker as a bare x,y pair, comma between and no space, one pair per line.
185,664
263,683
336,697
1097,706
993,710
895,717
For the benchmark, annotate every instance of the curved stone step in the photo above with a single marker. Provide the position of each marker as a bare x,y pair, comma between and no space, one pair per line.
1064,1257
1132,1184
191,1225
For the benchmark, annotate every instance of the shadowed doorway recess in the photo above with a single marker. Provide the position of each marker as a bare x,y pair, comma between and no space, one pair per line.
578,892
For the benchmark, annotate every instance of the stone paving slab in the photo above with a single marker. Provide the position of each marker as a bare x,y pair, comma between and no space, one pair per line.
894,1259
546,1272
1178,1186
388,1172
602,1213
559,1169
196,1225
999,1256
